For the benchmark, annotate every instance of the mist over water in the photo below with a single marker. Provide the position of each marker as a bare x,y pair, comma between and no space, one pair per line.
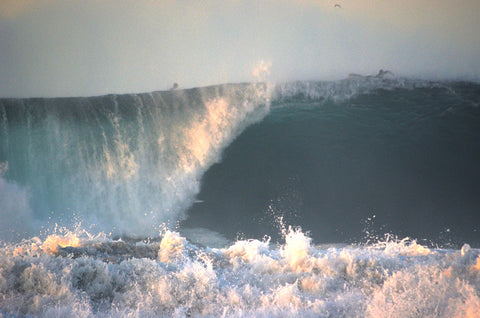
101,48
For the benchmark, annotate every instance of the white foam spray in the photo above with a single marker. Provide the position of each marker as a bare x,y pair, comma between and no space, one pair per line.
74,274
124,164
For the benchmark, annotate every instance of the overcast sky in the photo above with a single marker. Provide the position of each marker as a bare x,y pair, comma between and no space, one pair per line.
86,47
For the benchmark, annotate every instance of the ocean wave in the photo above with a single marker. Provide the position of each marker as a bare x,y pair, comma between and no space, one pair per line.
125,163
243,160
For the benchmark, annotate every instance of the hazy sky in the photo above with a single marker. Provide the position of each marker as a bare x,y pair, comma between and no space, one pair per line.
86,47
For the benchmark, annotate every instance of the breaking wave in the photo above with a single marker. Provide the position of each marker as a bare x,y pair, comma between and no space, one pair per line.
179,203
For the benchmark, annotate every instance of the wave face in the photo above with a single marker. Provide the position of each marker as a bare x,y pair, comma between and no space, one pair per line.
330,156
353,165
124,163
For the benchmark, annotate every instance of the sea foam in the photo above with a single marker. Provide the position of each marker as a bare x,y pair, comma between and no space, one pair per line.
171,277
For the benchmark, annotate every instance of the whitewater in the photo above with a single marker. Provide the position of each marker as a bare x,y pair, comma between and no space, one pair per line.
349,198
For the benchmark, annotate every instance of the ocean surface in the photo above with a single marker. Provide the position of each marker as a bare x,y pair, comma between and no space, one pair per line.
350,198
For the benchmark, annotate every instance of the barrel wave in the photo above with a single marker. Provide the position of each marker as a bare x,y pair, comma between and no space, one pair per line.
352,198
350,157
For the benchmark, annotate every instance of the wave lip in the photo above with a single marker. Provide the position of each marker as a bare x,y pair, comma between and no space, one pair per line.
345,89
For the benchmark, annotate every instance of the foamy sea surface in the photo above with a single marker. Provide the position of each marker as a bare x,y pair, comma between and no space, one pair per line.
75,274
